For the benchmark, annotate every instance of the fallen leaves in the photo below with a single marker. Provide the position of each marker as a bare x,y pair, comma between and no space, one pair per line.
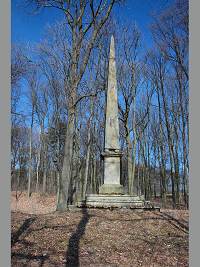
101,238
106,238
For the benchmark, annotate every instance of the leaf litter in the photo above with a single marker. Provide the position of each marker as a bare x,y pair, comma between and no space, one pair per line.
96,237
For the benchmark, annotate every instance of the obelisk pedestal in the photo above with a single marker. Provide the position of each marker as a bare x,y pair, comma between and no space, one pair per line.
112,166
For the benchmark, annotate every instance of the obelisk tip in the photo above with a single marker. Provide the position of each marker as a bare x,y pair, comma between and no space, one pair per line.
112,40
112,47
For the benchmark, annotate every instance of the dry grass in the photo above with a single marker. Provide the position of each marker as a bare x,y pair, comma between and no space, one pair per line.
96,237
36,204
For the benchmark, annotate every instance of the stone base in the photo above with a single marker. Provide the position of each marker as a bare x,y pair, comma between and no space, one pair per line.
116,189
112,201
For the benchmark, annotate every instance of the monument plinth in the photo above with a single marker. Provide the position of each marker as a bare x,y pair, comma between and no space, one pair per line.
112,165
111,193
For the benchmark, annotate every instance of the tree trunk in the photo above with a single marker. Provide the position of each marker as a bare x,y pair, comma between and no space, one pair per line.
44,185
94,181
58,187
37,168
67,163
88,150
30,155
130,165
86,167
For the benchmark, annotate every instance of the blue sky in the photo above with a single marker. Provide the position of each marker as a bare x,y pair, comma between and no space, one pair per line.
27,28
30,28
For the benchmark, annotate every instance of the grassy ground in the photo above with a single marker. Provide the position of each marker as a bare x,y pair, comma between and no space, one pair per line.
95,237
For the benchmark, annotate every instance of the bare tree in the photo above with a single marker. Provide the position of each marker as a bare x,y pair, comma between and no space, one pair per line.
83,37
129,81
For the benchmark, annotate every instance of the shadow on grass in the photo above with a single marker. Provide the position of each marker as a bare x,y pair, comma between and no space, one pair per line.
160,216
176,223
21,230
22,257
72,253
52,227
27,258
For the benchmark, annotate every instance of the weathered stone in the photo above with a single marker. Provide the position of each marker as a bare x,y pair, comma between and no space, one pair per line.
112,155
112,170
112,122
111,189
111,193
115,201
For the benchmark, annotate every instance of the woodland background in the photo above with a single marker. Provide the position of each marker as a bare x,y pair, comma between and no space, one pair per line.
58,92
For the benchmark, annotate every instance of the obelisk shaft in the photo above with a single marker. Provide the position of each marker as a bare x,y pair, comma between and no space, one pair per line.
112,154
112,122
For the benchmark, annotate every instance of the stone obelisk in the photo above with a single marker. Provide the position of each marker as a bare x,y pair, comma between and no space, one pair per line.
112,154
111,193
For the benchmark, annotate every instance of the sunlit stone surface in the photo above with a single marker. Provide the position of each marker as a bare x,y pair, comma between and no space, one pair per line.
111,193
111,153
